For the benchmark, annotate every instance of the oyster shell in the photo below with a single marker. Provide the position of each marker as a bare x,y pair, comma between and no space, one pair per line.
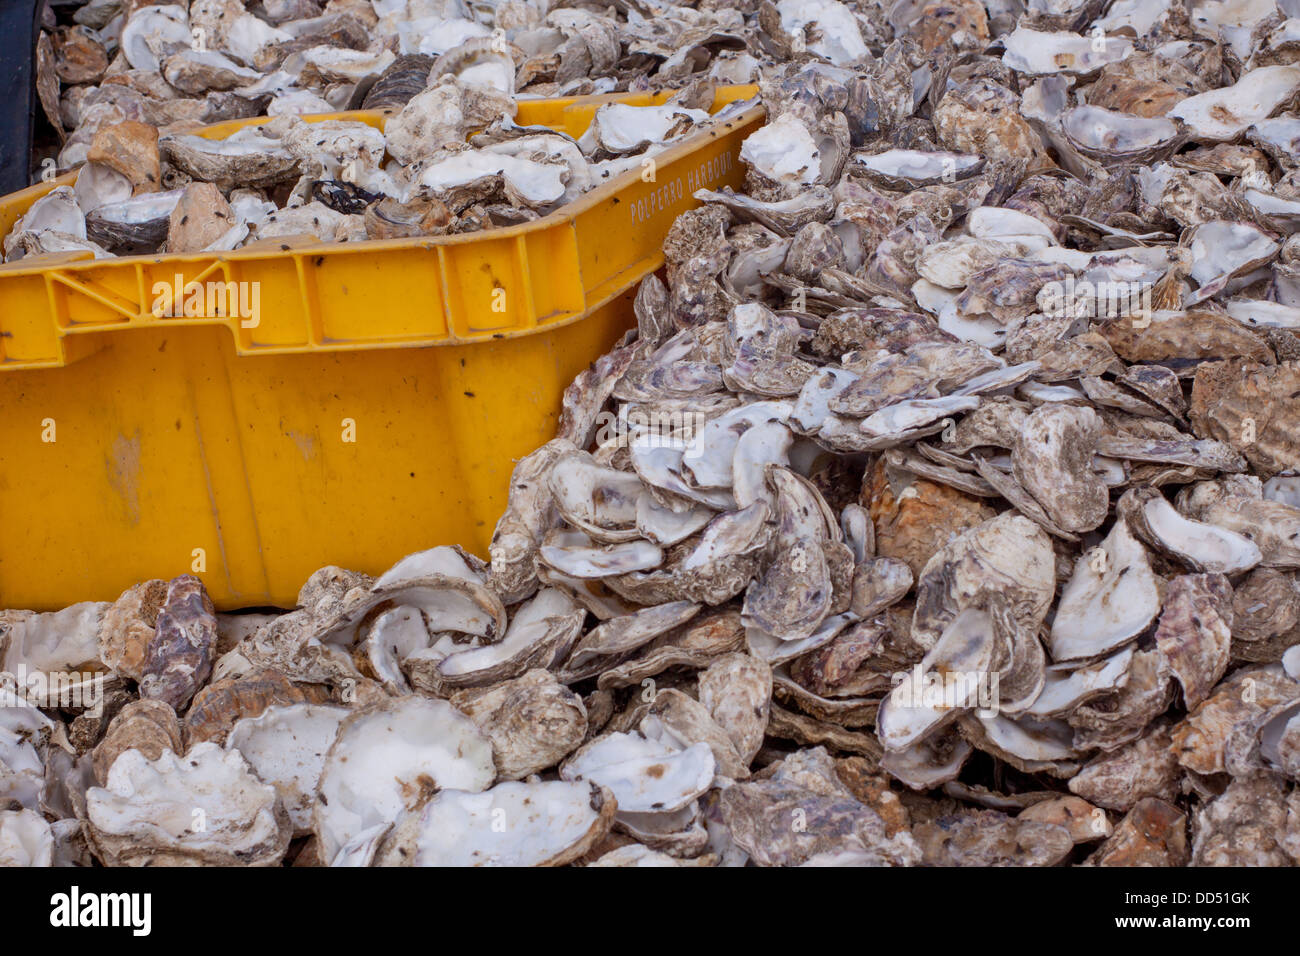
390,758
1223,114
1036,52
533,721
207,809
545,824
1110,599
25,839
247,159
147,726
983,560
645,776
1153,833
1201,547
1111,136
1052,459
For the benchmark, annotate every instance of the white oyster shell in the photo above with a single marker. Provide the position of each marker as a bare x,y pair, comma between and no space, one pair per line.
646,776
204,809
513,824
1110,599
285,746
1226,113
784,151
831,25
25,839
1037,52
389,758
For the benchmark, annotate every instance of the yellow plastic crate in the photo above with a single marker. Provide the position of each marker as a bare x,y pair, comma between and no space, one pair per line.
135,445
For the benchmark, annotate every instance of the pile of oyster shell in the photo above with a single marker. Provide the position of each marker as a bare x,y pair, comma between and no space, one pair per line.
148,183
127,84
202,61
340,180
915,543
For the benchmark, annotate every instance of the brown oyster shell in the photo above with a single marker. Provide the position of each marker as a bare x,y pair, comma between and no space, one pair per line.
1053,461
1153,833
216,708
200,218
1244,826
1147,767
990,838
130,148
914,522
1182,340
1199,739
149,726
128,627
1195,632
1083,821
178,660
759,815
533,721
1249,407
737,691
